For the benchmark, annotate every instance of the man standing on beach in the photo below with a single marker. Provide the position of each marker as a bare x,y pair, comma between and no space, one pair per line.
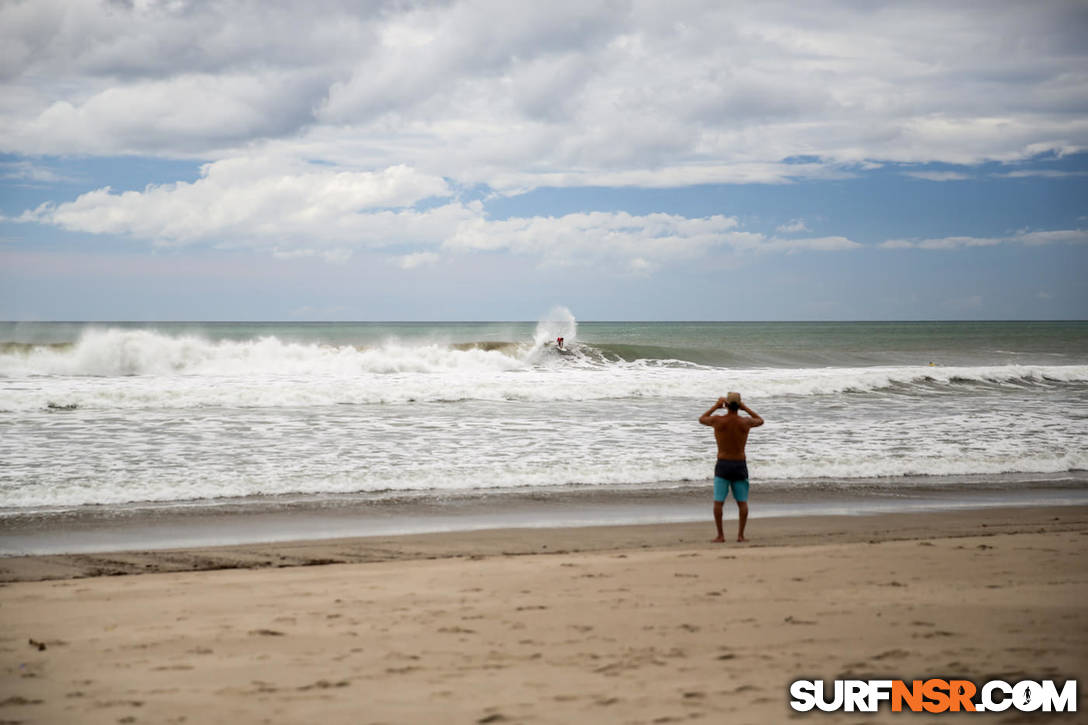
731,470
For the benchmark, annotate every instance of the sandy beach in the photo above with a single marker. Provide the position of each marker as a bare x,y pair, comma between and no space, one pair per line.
610,624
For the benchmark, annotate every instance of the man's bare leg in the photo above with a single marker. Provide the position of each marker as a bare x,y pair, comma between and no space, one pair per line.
742,510
718,521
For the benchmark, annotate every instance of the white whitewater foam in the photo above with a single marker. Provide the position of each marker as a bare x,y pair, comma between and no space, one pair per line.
218,475
158,392
130,354
115,353
146,371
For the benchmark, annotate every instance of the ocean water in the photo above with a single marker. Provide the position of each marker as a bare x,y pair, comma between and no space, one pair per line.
121,414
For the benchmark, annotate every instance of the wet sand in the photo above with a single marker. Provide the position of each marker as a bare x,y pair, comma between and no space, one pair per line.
604,624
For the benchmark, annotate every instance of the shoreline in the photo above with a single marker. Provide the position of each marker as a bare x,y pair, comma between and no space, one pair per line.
271,519
763,532
634,624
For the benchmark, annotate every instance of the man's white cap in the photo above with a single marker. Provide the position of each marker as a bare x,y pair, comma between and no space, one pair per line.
732,398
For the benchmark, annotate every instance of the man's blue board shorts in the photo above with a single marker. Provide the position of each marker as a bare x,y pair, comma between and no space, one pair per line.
730,475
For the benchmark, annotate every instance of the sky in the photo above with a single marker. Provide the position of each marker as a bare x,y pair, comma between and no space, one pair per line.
472,160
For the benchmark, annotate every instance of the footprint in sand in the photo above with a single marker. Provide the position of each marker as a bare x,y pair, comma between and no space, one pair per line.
324,685
892,654
400,670
936,633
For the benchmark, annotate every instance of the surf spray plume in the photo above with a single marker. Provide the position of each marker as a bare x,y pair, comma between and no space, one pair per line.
558,322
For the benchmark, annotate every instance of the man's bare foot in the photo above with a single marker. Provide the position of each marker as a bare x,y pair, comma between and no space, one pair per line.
719,540
742,540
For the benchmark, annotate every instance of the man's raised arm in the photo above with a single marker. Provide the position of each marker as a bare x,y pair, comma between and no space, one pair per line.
705,417
755,421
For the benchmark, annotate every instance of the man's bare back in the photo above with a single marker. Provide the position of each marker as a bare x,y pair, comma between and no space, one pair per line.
731,430
731,433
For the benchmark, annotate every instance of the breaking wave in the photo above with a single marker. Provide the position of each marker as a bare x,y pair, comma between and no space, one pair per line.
144,369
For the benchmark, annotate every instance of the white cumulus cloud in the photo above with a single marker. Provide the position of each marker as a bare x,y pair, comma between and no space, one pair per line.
643,241
417,259
261,202
1037,238
937,175
296,211
1041,173
517,96
794,227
